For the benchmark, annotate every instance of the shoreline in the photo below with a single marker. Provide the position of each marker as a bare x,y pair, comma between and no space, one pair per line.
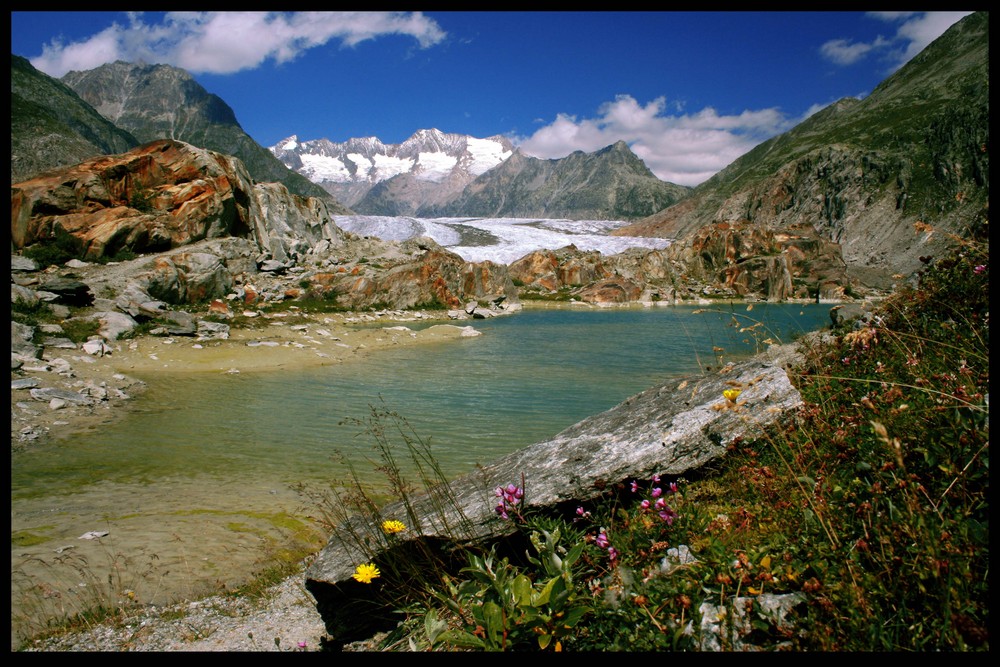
105,386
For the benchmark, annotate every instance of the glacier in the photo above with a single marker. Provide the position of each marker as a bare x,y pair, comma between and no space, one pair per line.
500,240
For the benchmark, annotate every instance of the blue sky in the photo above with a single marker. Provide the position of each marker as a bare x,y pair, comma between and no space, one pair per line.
689,91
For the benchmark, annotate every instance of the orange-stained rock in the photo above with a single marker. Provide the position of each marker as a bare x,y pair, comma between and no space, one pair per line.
161,195
219,307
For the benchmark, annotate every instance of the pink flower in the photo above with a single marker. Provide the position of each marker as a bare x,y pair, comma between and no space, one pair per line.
602,539
612,553
668,515
657,492
644,504
635,486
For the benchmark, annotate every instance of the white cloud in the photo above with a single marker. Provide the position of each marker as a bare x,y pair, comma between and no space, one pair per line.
227,42
846,52
686,149
914,32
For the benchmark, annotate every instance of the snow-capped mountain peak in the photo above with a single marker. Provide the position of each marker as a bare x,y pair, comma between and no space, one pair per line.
349,170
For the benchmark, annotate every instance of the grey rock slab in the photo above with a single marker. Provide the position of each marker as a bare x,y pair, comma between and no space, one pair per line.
50,393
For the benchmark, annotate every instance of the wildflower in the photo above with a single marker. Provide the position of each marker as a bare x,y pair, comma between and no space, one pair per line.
302,645
979,268
656,479
509,497
602,539
366,572
644,504
391,526
635,486
668,515
580,512
731,394
673,487
612,553
657,492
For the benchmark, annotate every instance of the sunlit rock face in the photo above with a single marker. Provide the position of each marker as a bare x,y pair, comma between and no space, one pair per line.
161,195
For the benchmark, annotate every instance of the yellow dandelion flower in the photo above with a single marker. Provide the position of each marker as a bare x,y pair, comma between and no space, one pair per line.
731,394
391,526
366,572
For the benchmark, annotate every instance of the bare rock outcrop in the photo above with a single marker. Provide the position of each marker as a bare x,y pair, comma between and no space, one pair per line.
290,225
773,264
553,270
166,200
417,272
158,196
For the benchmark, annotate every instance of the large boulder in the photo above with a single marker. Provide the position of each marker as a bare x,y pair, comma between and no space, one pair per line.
189,277
670,429
161,195
552,270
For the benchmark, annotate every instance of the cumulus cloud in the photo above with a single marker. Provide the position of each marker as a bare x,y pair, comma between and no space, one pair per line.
914,31
686,149
227,42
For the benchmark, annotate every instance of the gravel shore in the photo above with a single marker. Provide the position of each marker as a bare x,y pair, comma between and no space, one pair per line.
284,619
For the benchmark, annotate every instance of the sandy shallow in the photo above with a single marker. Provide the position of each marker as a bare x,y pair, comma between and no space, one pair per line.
272,343
277,345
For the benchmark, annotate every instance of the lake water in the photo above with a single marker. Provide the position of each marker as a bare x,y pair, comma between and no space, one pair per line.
193,486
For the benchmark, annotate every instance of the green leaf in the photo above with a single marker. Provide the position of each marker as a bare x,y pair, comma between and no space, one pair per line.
574,555
521,590
462,639
434,627
493,622
573,616
542,597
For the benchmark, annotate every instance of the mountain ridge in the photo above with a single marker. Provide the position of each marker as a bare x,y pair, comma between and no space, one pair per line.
611,183
165,102
867,173
51,126
350,170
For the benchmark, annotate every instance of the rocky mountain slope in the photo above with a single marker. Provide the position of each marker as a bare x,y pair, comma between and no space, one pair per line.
609,184
373,178
163,102
50,126
873,175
